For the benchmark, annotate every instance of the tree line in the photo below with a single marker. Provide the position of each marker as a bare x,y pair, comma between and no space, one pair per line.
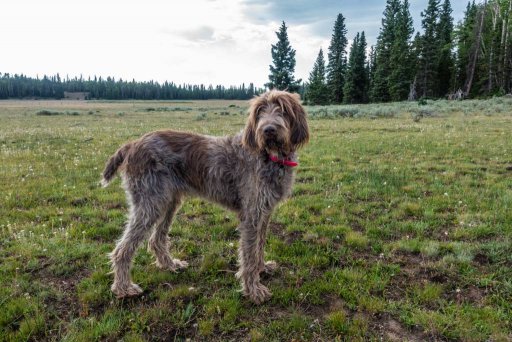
470,59
21,86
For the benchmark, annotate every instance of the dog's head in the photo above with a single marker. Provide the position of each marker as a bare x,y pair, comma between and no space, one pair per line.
277,123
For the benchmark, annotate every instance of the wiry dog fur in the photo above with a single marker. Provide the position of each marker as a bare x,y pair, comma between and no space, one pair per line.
161,167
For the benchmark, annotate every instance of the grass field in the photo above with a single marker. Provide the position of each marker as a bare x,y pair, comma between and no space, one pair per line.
399,228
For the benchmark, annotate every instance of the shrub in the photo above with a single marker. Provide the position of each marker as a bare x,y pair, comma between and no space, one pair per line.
201,116
48,112
345,112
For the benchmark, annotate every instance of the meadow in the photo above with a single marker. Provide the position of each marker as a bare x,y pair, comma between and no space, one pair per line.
399,228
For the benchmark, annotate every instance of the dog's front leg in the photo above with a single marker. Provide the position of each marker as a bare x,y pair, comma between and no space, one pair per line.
251,257
265,266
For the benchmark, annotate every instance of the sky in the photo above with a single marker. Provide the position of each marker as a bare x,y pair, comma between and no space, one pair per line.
193,41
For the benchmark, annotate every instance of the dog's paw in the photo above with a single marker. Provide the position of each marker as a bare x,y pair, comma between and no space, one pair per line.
172,265
130,290
178,264
270,267
259,294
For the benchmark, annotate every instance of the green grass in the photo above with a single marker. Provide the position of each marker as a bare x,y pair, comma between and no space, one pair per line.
399,227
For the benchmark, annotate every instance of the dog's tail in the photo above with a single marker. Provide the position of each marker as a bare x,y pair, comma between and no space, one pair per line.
113,164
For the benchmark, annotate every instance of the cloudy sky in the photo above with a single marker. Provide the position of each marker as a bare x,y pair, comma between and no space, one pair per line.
193,41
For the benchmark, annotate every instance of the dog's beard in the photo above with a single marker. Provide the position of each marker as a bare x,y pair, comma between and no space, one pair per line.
275,146
273,143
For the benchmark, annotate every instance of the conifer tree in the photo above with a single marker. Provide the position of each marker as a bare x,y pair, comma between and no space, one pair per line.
380,83
401,59
316,93
283,57
356,84
429,55
337,60
445,63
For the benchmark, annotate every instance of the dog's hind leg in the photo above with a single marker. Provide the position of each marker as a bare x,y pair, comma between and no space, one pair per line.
145,210
158,243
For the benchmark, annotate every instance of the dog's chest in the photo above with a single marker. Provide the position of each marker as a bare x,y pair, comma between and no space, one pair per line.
277,180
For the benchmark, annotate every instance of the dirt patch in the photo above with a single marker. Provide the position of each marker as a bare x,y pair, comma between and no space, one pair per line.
279,229
291,237
66,306
302,192
305,179
392,330
114,205
469,294
482,259
79,202
332,303
197,219
475,295
414,269
357,226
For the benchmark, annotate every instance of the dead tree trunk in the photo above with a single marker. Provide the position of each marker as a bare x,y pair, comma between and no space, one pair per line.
496,10
476,50
504,46
412,90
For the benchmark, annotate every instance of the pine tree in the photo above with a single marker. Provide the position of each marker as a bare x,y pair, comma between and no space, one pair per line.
356,85
316,93
401,59
380,84
429,55
283,57
445,63
337,60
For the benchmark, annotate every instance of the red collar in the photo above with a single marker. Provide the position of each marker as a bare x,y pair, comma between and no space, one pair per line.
285,162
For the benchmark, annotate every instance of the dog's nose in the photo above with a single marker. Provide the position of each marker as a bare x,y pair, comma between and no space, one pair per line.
269,130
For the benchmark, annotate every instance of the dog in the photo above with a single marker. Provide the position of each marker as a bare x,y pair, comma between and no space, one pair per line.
249,173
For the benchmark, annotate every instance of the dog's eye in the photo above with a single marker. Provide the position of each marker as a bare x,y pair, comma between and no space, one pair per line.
259,111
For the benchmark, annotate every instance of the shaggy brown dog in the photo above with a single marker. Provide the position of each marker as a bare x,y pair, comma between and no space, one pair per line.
248,173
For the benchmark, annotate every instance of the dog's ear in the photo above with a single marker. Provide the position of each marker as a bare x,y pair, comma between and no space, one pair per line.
249,135
298,123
